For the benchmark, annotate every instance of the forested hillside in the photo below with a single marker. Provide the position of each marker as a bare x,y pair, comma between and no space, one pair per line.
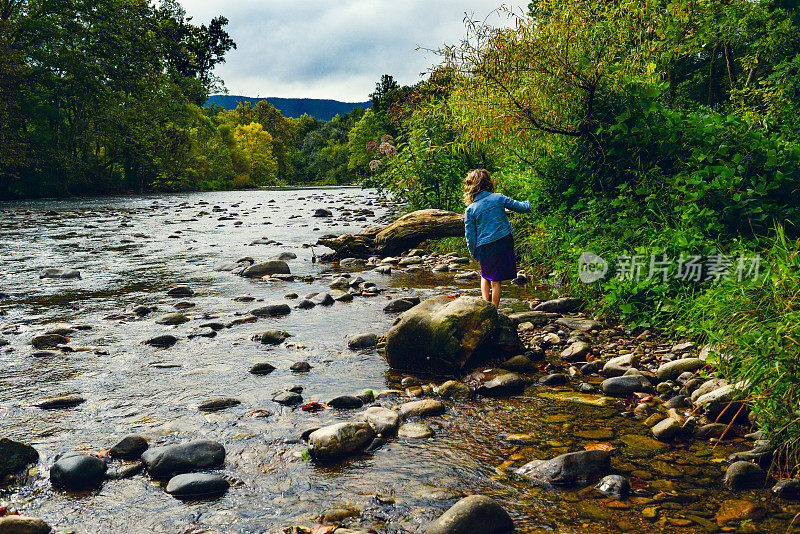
320,109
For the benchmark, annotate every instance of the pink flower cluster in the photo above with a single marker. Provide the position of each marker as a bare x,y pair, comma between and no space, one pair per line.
374,165
386,148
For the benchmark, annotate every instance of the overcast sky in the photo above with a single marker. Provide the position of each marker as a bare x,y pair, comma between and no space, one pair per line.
335,48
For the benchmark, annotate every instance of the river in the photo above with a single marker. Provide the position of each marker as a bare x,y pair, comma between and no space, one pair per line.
132,250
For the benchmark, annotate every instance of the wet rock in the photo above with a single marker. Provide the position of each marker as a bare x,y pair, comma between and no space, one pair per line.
345,402
560,305
622,386
555,379
141,311
414,431
14,456
401,304
637,446
614,486
711,430
581,325
666,430
323,299
472,515
503,385
574,468
340,283
48,341
218,403
20,524
262,368
533,317
213,326
287,398
130,447
275,309
442,334
707,387
181,291
739,510
587,388
266,268
162,342
172,319
305,304
300,367
421,408
64,274
671,370
592,367
382,420
453,389
169,460
274,337
576,351
744,475
59,401
197,486
78,471
340,439
341,296
322,212
363,341
204,332
520,364
788,488
723,405
619,365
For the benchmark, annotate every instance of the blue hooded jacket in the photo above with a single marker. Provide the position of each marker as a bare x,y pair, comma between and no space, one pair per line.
485,220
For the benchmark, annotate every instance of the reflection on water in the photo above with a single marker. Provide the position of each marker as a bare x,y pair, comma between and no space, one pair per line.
131,250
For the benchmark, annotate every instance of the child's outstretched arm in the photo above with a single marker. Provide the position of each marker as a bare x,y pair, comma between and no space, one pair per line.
470,232
515,205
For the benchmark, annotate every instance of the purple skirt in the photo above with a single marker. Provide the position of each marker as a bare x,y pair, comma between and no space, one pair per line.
497,258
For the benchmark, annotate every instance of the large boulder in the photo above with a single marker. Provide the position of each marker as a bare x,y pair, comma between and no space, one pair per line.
405,233
571,469
443,334
169,460
413,228
335,441
14,456
471,515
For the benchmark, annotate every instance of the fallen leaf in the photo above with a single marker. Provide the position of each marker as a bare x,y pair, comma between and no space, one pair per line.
312,407
599,447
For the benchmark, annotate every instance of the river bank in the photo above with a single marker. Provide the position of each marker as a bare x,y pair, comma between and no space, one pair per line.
133,251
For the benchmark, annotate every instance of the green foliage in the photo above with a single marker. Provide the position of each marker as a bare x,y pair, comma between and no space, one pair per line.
102,96
756,329
428,165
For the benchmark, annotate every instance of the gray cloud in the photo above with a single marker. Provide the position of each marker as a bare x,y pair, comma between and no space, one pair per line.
335,49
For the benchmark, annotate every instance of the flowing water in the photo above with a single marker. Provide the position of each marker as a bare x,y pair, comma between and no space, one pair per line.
132,250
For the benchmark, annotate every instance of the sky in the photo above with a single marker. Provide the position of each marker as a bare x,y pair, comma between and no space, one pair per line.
336,49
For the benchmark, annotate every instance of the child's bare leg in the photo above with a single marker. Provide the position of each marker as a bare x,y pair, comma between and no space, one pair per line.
495,293
485,289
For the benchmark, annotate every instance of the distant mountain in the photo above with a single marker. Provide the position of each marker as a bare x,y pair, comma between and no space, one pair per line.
292,107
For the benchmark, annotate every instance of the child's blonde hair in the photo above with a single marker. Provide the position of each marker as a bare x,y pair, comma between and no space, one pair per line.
476,181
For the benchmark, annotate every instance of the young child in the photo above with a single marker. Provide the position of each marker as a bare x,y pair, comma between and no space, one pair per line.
488,231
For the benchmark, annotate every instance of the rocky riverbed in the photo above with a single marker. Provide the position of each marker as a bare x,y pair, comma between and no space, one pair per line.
184,363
